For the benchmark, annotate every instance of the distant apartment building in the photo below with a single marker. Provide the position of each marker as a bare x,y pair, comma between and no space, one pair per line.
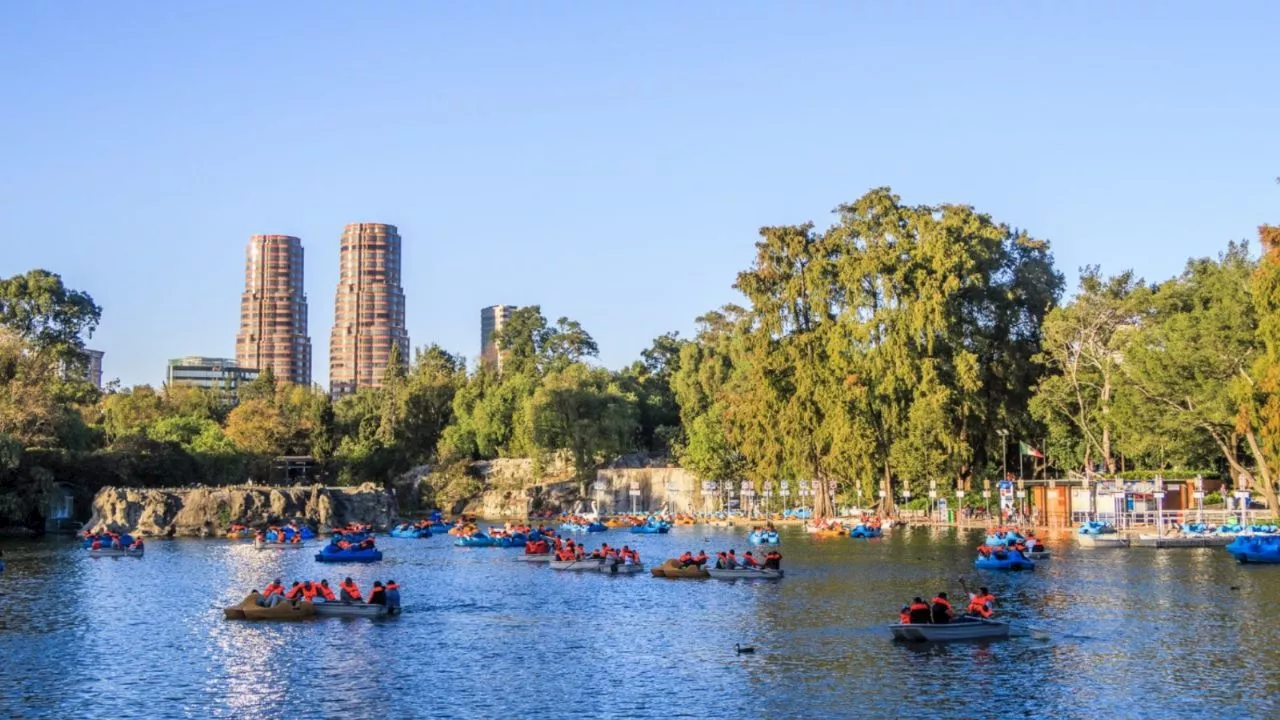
368,308
222,375
273,310
491,321
89,367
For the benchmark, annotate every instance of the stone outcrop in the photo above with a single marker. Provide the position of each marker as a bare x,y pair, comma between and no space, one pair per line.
209,511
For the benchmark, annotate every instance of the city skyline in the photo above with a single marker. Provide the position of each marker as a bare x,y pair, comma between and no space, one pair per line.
608,164
369,308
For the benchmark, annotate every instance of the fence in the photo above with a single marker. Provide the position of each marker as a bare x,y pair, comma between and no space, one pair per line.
1169,518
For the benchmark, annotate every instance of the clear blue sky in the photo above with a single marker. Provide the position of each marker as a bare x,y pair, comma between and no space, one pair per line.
609,161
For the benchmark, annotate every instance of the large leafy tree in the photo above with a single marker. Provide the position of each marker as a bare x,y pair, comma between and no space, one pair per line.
44,312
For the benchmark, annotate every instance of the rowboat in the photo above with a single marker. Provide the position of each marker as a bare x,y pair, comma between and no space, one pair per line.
1111,540
346,608
115,552
535,558
672,569
744,574
621,568
277,545
585,564
963,629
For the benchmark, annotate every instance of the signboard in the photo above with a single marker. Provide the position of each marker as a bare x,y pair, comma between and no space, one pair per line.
597,486
635,492
1006,496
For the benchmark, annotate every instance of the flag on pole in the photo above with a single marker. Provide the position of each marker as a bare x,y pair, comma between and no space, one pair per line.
1026,449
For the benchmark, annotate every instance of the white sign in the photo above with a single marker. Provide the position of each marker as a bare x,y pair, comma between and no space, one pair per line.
986,494
960,494
933,494
635,492
1022,494
1198,495
597,485
748,493
768,493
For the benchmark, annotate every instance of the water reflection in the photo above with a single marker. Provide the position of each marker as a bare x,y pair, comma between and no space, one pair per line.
1140,632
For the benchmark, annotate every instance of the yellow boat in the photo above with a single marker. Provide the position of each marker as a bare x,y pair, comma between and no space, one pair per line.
831,533
249,609
671,569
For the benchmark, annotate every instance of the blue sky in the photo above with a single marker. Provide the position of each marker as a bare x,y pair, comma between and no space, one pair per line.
609,161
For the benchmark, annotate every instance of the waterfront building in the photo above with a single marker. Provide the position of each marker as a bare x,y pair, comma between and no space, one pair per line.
368,308
273,310
491,321
222,375
88,366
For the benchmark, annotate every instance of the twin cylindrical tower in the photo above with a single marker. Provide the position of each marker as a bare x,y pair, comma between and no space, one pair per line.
369,312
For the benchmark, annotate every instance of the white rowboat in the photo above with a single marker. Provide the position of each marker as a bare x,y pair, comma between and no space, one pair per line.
1109,540
966,629
621,569
277,546
115,552
343,608
587,564
538,558
745,574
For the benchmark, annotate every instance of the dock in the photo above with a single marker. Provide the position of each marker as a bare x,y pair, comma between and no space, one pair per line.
1181,541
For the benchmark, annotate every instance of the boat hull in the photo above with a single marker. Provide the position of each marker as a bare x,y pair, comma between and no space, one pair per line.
538,558
115,552
621,569
739,574
950,632
672,570
348,609
577,565
348,556
1111,540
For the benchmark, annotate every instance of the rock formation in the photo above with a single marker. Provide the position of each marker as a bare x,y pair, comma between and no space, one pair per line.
209,511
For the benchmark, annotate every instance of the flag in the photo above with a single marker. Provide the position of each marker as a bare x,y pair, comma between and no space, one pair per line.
1026,449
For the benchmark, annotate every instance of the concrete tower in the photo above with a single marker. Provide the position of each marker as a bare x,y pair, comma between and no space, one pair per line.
491,321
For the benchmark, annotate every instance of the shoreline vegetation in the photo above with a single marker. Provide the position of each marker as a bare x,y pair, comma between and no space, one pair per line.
902,345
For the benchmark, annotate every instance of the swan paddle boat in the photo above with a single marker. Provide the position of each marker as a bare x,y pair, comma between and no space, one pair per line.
960,629
1003,559
745,574
1255,549
763,537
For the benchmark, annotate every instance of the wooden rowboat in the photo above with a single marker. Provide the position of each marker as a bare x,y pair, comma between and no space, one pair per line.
963,629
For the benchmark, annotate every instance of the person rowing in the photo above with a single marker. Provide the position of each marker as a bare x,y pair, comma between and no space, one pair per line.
981,603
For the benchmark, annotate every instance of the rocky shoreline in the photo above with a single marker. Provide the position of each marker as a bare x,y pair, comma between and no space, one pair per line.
210,511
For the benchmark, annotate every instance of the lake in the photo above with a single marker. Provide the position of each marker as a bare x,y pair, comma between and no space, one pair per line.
1131,633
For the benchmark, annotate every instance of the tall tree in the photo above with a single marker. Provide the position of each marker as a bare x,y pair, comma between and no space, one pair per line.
41,310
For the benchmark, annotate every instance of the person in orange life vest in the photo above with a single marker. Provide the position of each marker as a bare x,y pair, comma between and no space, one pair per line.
701,559
309,590
97,544
731,560
378,595
349,591
273,588
137,545
941,610
773,560
686,559
259,536
904,615
296,538
325,591
295,592
918,612
750,562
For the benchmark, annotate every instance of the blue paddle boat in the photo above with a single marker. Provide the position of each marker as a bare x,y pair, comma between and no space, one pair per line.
763,537
1004,559
410,531
651,527
1097,527
862,531
476,540
1256,549
334,554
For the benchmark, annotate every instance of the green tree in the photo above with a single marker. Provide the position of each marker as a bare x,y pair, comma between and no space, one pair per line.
580,410
47,314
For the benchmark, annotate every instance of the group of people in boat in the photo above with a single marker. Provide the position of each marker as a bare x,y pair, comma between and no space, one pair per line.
348,591
112,540
939,610
342,543
771,560
569,550
294,538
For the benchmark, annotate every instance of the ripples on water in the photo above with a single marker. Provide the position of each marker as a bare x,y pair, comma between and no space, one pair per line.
1136,633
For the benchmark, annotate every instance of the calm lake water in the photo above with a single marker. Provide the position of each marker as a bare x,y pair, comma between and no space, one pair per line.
1137,633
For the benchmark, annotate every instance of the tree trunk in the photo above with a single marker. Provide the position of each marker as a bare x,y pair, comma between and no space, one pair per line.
886,507
1264,471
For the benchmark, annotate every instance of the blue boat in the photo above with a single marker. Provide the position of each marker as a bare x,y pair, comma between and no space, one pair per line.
862,531
763,537
409,531
1004,559
1096,527
1255,549
597,527
652,527
334,554
477,540
125,541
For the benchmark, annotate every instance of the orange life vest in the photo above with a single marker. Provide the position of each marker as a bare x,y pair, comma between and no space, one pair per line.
981,605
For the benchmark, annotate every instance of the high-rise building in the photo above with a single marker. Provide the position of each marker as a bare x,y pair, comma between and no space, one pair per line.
491,321
368,308
222,375
273,310
94,367
88,366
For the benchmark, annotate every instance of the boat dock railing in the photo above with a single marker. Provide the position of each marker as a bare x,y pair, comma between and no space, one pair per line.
1169,519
